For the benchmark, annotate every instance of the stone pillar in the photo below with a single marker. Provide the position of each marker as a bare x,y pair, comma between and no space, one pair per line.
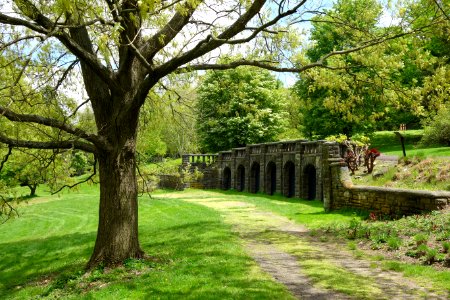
185,159
298,170
280,169
248,170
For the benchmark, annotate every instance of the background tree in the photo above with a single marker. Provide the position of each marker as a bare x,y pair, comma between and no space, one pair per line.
238,107
376,88
122,50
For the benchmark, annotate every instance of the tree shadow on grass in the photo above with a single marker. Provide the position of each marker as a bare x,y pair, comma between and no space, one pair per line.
207,261
30,261
197,260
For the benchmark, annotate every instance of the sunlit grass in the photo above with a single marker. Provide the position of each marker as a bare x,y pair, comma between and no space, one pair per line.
439,279
193,254
388,143
322,271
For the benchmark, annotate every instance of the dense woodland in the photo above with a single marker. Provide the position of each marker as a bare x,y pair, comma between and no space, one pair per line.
106,86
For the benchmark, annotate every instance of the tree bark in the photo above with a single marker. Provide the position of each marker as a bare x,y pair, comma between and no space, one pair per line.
117,235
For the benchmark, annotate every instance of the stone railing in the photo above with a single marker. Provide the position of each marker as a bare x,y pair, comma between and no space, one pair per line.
310,148
272,148
225,155
240,152
195,159
288,146
255,149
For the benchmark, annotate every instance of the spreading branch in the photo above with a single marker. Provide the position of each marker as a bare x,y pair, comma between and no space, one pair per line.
45,26
5,159
29,118
94,172
158,41
273,67
68,144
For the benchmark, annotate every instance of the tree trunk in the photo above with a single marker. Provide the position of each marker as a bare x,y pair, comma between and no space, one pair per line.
117,235
32,188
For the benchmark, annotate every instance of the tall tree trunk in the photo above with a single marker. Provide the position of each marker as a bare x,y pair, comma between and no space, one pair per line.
117,235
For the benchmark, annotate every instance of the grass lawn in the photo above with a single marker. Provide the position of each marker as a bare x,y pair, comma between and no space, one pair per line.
194,254
388,143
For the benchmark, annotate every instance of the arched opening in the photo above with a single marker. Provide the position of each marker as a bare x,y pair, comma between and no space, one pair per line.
271,178
226,180
254,178
309,182
240,180
289,179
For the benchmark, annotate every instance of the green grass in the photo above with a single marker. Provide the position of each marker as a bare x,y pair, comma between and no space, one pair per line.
439,279
324,272
195,255
306,212
388,143
430,173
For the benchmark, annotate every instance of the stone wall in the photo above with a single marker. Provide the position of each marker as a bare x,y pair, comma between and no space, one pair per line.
389,201
206,168
173,182
307,170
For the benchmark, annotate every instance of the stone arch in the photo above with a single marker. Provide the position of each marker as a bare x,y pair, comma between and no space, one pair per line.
240,179
254,177
226,178
271,178
289,179
309,182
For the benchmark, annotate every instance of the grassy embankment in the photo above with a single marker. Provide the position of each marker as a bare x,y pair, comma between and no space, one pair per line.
424,168
388,143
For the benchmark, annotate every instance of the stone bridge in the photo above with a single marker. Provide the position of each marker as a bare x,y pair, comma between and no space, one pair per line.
308,170
297,169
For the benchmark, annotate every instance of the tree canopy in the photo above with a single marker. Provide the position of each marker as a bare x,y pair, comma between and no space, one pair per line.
378,87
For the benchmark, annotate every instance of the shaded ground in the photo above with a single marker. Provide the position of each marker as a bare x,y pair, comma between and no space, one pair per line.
311,267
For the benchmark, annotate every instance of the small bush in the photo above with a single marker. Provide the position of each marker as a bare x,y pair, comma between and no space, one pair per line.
430,256
438,129
420,239
445,247
394,243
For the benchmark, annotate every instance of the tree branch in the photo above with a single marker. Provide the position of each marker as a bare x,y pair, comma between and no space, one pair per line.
5,159
159,40
46,26
272,67
260,64
69,144
208,44
267,25
80,182
28,118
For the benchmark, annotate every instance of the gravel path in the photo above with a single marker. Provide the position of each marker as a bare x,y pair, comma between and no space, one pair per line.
251,223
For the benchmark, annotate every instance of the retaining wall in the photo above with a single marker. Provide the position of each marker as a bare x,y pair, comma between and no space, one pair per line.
389,201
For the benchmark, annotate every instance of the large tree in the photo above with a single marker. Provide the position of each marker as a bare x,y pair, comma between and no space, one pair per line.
238,107
123,49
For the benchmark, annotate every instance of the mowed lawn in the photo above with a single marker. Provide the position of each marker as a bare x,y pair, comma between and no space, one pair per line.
389,144
194,255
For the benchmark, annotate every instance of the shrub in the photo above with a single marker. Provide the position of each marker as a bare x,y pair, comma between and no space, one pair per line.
438,129
430,255
394,243
446,247
420,239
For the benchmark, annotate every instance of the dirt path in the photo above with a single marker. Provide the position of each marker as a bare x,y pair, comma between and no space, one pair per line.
308,265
